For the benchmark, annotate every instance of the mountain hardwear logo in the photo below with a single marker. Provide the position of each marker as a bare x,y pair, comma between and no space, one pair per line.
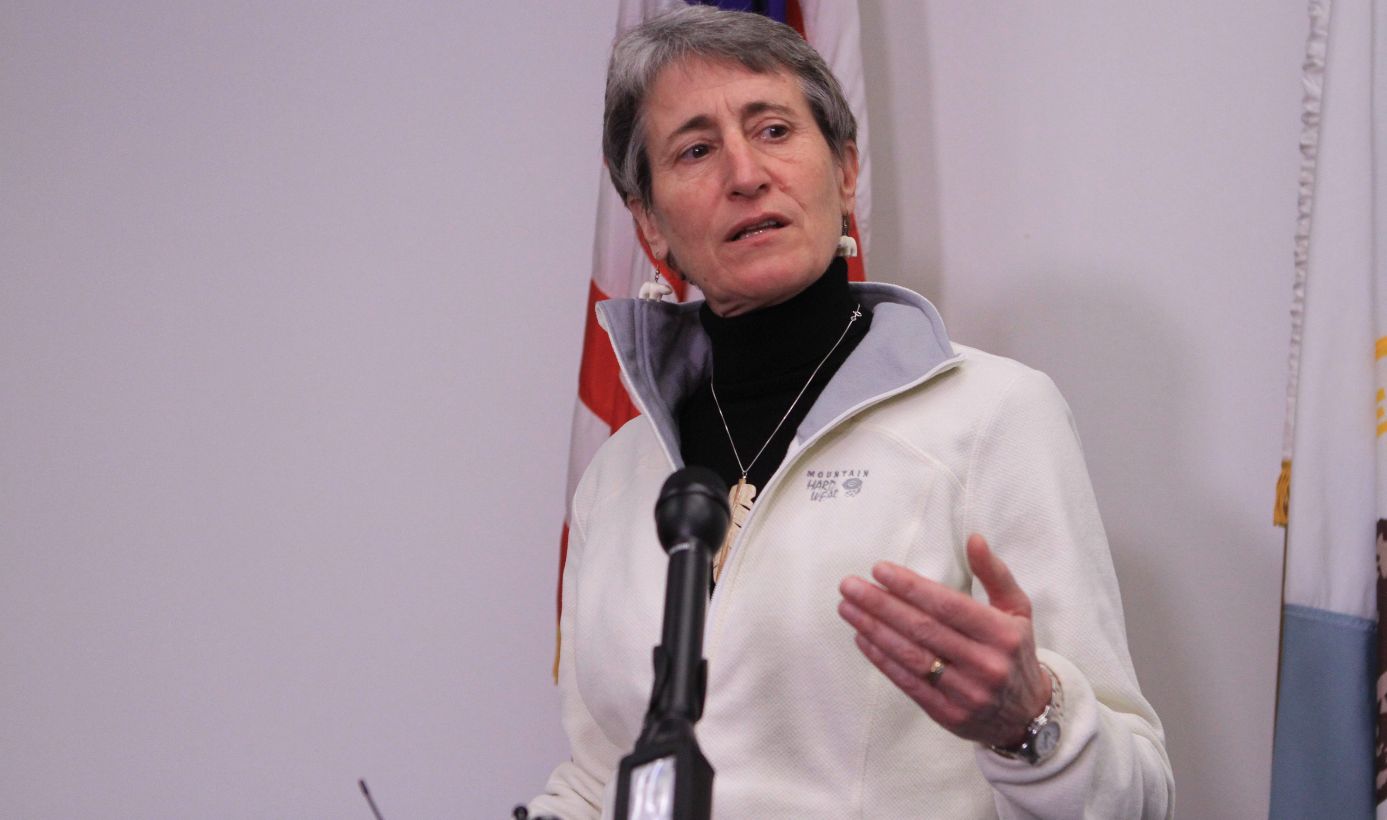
826,484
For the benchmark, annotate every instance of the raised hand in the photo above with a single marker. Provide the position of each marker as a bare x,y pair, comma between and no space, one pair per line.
971,666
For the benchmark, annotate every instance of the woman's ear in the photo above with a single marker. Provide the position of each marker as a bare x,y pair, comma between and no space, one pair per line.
649,228
847,169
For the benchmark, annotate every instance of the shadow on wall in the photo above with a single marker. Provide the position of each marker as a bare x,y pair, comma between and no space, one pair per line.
1189,569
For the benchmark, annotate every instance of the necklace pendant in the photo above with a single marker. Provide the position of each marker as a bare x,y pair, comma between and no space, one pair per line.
739,498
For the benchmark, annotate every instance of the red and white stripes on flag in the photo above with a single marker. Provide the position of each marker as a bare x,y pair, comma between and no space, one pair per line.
621,263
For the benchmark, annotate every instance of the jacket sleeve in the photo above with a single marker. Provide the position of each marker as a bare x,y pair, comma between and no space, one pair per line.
1029,495
577,788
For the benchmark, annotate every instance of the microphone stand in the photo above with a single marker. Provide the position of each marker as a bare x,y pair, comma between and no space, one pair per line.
667,777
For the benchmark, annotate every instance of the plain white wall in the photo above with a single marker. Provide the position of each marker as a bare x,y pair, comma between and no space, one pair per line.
290,306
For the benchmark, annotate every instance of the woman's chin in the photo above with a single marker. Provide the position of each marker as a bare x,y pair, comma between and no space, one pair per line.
745,288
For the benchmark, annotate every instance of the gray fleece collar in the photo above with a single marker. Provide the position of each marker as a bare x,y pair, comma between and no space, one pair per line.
664,356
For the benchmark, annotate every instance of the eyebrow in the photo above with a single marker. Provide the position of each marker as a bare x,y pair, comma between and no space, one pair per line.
703,122
753,108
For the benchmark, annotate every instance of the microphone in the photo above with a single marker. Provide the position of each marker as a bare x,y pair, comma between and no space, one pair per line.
667,777
692,507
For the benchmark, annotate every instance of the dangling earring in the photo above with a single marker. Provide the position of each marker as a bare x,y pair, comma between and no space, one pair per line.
847,246
655,290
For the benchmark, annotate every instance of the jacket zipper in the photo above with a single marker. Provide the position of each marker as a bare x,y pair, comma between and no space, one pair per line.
718,593
785,467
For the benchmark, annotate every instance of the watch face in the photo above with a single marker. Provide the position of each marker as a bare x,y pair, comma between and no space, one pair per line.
1047,739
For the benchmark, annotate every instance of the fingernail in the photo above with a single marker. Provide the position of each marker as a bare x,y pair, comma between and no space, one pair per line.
849,610
852,587
884,572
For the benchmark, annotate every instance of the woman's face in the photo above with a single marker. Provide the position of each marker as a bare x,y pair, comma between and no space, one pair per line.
747,197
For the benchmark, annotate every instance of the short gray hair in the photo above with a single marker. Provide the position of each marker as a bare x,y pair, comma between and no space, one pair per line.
759,43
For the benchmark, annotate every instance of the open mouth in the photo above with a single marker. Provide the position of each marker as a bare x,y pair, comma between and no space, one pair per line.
757,228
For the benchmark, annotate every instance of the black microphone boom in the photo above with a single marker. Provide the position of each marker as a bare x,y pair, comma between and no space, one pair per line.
667,777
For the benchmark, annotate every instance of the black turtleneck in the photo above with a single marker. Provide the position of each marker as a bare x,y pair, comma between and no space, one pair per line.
760,361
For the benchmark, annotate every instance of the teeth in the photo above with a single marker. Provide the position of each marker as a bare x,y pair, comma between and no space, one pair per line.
757,228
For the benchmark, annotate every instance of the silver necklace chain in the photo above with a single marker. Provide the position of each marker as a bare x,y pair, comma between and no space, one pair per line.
856,313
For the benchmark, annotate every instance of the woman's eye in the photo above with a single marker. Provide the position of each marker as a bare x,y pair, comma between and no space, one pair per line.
696,152
776,131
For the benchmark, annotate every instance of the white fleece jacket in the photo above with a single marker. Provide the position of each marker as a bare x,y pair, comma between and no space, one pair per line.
913,445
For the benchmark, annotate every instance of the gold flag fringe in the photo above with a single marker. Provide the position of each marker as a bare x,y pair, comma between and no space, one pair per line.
558,644
1281,515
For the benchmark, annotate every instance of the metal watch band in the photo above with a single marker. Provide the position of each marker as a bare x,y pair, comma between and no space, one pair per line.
1042,735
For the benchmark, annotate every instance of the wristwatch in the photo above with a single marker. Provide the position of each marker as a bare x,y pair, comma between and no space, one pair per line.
1043,733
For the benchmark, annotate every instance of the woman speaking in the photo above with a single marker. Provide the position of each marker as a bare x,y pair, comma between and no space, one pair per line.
983,669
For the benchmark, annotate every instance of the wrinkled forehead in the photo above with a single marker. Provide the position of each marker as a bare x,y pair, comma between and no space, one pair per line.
696,90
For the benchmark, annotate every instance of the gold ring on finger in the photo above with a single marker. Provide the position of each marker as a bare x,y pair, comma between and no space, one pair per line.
936,671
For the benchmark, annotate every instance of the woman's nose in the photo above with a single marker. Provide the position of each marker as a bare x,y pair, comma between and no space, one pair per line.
746,172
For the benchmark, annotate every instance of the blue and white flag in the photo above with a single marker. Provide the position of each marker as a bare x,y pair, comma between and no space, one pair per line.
1332,693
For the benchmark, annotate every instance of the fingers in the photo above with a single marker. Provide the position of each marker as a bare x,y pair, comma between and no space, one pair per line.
931,699
1002,590
904,630
963,679
949,606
